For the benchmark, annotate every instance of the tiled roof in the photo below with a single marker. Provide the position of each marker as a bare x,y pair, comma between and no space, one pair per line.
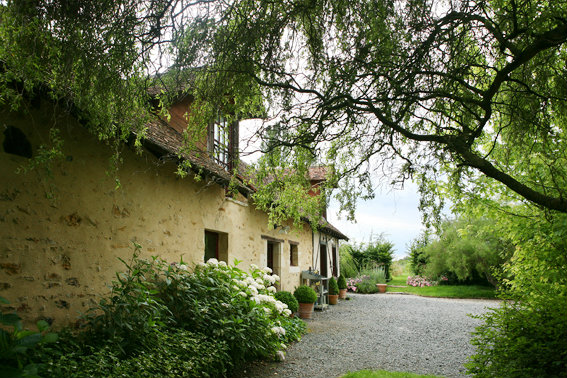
329,229
159,133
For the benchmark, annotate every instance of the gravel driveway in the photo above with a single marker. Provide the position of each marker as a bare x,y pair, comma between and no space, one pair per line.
393,332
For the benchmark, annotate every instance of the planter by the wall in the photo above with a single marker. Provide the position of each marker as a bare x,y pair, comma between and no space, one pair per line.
305,310
342,293
333,299
381,287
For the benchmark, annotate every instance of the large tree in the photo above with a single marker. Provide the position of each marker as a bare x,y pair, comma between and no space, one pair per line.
457,90
461,90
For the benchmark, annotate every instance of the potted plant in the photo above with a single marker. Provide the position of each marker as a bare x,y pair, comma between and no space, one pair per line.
306,297
342,287
333,291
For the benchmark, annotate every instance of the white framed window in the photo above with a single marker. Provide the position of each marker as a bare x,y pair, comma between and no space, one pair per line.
221,142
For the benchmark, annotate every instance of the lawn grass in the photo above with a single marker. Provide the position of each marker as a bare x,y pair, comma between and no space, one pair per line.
398,280
385,374
443,291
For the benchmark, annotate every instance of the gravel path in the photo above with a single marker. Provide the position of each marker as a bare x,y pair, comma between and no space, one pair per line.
382,331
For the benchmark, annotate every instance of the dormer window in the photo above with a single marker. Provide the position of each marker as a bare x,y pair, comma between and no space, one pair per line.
223,146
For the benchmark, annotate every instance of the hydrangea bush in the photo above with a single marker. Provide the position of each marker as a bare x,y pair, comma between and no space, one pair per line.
154,304
223,301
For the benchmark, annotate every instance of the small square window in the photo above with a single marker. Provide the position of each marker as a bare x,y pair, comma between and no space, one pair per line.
293,255
216,246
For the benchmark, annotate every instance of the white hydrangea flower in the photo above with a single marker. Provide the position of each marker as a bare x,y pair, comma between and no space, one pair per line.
253,266
255,299
287,312
267,270
267,310
249,280
278,330
243,294
213,262
183,267
276,277
270,279
201,263
265,298
253,290
272,289
222,263
280,306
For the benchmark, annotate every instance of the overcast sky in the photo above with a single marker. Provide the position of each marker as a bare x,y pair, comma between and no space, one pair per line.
392,212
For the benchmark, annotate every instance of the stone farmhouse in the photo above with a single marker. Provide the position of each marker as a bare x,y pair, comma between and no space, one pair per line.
63,231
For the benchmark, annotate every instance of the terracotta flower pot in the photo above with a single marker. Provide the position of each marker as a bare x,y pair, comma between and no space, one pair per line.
305,310
342,293
381,287
333,299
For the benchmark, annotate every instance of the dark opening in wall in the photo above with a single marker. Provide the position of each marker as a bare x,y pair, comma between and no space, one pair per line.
15,142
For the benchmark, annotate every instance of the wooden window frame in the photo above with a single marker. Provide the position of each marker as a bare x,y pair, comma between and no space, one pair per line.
293,254
223,142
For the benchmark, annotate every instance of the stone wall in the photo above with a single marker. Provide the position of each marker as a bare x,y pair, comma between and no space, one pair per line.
63,230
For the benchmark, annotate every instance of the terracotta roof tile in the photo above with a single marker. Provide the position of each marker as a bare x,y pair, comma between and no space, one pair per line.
328,228
161,134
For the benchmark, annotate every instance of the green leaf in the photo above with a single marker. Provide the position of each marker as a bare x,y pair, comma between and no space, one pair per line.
42,325
10,320
50,338
29,340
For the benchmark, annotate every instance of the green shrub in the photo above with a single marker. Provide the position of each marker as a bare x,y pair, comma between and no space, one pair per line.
378,252
366,286
525,337
133,305
17,346
288,298
177,353
417,255
181,317
468,251
522,341
341,282
305,294
294,328
333,287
